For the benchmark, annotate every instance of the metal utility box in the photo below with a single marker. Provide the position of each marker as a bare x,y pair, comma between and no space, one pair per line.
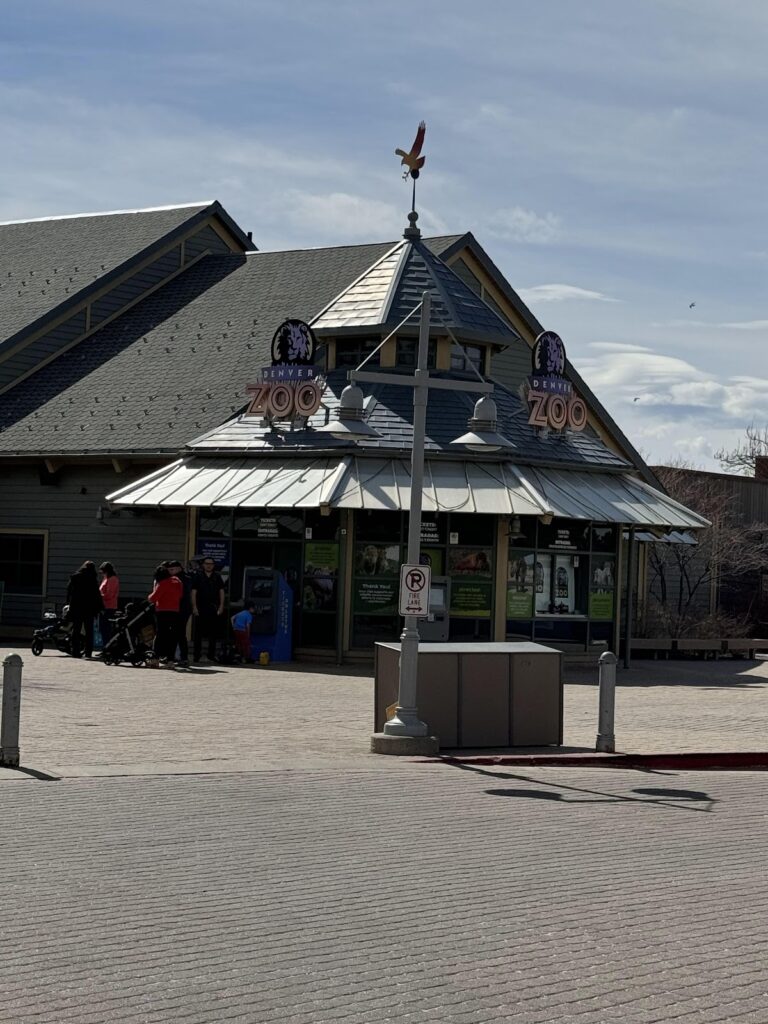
480,694
434,629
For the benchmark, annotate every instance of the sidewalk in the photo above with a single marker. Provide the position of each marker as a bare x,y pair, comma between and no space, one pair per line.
82,718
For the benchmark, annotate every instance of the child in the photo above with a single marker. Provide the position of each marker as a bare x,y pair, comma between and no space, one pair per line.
241,624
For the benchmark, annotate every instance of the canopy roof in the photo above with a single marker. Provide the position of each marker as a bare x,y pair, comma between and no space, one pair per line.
353,482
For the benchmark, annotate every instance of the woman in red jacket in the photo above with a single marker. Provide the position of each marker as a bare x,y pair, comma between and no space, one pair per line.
167,597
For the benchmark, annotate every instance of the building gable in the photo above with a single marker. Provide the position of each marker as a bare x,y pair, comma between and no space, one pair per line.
89,269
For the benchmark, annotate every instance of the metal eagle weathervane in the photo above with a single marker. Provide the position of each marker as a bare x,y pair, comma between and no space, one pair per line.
413,161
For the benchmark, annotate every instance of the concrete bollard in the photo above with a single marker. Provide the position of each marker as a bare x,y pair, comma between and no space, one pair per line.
606,741
9,724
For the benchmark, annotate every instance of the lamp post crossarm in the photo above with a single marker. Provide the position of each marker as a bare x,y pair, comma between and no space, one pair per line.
371,377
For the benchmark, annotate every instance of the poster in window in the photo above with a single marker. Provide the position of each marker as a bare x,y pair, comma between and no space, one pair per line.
319,594
520,569
471,599
542,573
519,603
601,604
434,558
470,562
564,601
603,573
375,597
377,560
321,558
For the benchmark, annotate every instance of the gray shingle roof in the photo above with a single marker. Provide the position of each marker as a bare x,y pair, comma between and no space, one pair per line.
177,363
389,290
47,262
391,413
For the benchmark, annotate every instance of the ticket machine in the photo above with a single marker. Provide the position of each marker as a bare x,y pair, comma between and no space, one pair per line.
434,629
272,625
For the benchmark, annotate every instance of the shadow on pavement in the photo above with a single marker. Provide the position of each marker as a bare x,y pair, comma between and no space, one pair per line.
704,674
675,799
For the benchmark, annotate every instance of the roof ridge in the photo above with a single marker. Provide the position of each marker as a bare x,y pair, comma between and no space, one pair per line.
355,245
111,213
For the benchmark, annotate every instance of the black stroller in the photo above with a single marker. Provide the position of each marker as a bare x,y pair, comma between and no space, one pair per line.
133,636
57,632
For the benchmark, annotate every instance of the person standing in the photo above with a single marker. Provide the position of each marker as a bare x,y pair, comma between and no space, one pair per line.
109,588
85,603
166,597
207,608
175,568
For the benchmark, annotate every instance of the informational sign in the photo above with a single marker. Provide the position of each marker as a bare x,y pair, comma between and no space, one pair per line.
552,402
291,387
321,558
218,550
519,604
375,597
470,599
430,532
415,582
601,604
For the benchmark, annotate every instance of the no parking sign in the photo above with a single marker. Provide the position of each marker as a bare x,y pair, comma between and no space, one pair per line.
414,590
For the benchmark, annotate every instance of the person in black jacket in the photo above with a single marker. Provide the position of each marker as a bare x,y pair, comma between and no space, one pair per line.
207,596
85,603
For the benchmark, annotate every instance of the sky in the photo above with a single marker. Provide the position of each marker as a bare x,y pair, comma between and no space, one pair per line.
610,157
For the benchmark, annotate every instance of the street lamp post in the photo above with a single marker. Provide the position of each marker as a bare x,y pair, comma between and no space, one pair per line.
405,733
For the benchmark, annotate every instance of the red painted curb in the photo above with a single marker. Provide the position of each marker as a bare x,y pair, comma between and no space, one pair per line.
726,761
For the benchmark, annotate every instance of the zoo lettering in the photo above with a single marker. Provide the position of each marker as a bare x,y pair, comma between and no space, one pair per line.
556,411
283,401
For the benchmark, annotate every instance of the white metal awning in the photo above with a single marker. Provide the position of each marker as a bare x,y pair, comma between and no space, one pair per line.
500,488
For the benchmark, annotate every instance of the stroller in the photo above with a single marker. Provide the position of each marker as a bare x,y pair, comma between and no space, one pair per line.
133,636
56,631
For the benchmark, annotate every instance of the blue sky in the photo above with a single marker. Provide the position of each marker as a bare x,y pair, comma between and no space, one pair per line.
610,156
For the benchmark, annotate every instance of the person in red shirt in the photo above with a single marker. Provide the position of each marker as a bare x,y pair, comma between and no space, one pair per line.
167,597
109,588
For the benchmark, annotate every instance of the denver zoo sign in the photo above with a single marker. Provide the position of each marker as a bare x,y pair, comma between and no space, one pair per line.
291,387
552,402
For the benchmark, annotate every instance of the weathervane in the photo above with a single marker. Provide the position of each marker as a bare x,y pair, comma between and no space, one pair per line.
413,162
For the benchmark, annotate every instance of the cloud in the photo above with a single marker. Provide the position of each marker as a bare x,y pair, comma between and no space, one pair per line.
560,293
617,346
516,224
730,325
340,213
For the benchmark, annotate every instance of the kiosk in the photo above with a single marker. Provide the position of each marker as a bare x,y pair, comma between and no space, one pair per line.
434,628
272,626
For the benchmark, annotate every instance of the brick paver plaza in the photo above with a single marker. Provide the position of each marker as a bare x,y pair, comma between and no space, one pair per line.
222,848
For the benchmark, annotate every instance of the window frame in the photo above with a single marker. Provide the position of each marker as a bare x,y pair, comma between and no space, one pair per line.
27,532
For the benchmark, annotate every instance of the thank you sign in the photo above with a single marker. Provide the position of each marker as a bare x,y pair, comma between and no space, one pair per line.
292,386
552,402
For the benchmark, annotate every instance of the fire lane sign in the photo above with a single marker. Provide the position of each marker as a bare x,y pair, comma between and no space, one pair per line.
415,582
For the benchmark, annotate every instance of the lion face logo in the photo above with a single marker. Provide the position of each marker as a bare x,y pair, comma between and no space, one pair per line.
549,355
293,343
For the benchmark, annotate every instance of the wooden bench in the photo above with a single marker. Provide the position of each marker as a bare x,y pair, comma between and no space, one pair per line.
738,647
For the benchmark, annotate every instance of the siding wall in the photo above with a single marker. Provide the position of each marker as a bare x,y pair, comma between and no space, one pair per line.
208,238
134,543
40,349
135,286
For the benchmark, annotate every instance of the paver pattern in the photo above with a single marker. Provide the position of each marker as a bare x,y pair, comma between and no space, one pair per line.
435,893
82,718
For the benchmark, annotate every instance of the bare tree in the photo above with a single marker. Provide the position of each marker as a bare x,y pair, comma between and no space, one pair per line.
741,459
730,553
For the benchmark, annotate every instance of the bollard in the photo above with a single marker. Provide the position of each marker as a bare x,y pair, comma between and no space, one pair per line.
606,741
9,724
